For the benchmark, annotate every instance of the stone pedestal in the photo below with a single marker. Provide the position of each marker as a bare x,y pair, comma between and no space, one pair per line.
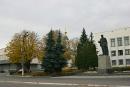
104,65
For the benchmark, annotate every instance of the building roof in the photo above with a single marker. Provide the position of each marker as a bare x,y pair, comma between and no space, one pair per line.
126,29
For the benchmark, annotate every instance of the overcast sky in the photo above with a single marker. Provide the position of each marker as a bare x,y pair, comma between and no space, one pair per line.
41,15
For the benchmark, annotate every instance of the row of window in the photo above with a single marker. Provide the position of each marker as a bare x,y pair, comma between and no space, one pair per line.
120,52
120,41
120,62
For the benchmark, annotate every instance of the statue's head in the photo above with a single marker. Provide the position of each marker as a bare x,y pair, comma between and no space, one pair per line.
102,36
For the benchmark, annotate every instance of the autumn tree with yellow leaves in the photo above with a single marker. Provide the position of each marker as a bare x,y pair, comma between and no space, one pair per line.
23,48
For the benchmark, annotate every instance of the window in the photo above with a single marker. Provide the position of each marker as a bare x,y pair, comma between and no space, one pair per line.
126,40
120,52
119,41
112,42
127,61
121,62
113,62
113,53
127,51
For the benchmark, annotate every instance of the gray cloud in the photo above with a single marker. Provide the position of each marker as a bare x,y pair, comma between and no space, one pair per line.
41,15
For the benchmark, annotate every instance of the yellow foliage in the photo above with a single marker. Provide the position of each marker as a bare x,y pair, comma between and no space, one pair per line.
25,46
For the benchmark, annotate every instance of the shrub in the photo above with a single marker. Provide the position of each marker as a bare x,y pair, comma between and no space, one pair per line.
120,69
39,74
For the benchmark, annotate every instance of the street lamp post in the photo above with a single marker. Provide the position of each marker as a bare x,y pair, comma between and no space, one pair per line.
23,51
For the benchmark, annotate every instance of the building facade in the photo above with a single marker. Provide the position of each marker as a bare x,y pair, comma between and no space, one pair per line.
118,45
5,65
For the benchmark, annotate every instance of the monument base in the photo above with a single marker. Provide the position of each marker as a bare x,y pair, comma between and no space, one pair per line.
105,71
104,65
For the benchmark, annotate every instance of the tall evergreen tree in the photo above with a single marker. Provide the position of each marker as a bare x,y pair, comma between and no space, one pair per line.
60,60
86,52
93,62
53,61
80,60
83,38
49,59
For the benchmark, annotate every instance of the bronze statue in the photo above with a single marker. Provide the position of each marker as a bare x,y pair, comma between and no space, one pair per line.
104,45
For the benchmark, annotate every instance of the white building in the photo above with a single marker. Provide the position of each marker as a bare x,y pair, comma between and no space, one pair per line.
3,54
118,45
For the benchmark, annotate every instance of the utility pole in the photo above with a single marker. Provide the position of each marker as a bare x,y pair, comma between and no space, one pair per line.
23,51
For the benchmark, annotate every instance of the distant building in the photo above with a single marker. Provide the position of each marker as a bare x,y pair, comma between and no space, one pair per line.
5,65
118,44
3,54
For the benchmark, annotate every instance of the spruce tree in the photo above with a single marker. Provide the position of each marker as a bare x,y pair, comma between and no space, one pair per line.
54,60
83,38
93,59
86,53
49,59
80,60
60,60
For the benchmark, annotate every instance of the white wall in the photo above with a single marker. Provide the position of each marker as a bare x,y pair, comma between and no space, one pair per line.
114,34
3,54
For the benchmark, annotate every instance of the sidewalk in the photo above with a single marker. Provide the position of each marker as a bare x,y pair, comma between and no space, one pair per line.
80,75
93,77
94,73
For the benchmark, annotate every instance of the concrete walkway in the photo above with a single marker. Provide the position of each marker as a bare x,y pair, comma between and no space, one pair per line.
120,76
